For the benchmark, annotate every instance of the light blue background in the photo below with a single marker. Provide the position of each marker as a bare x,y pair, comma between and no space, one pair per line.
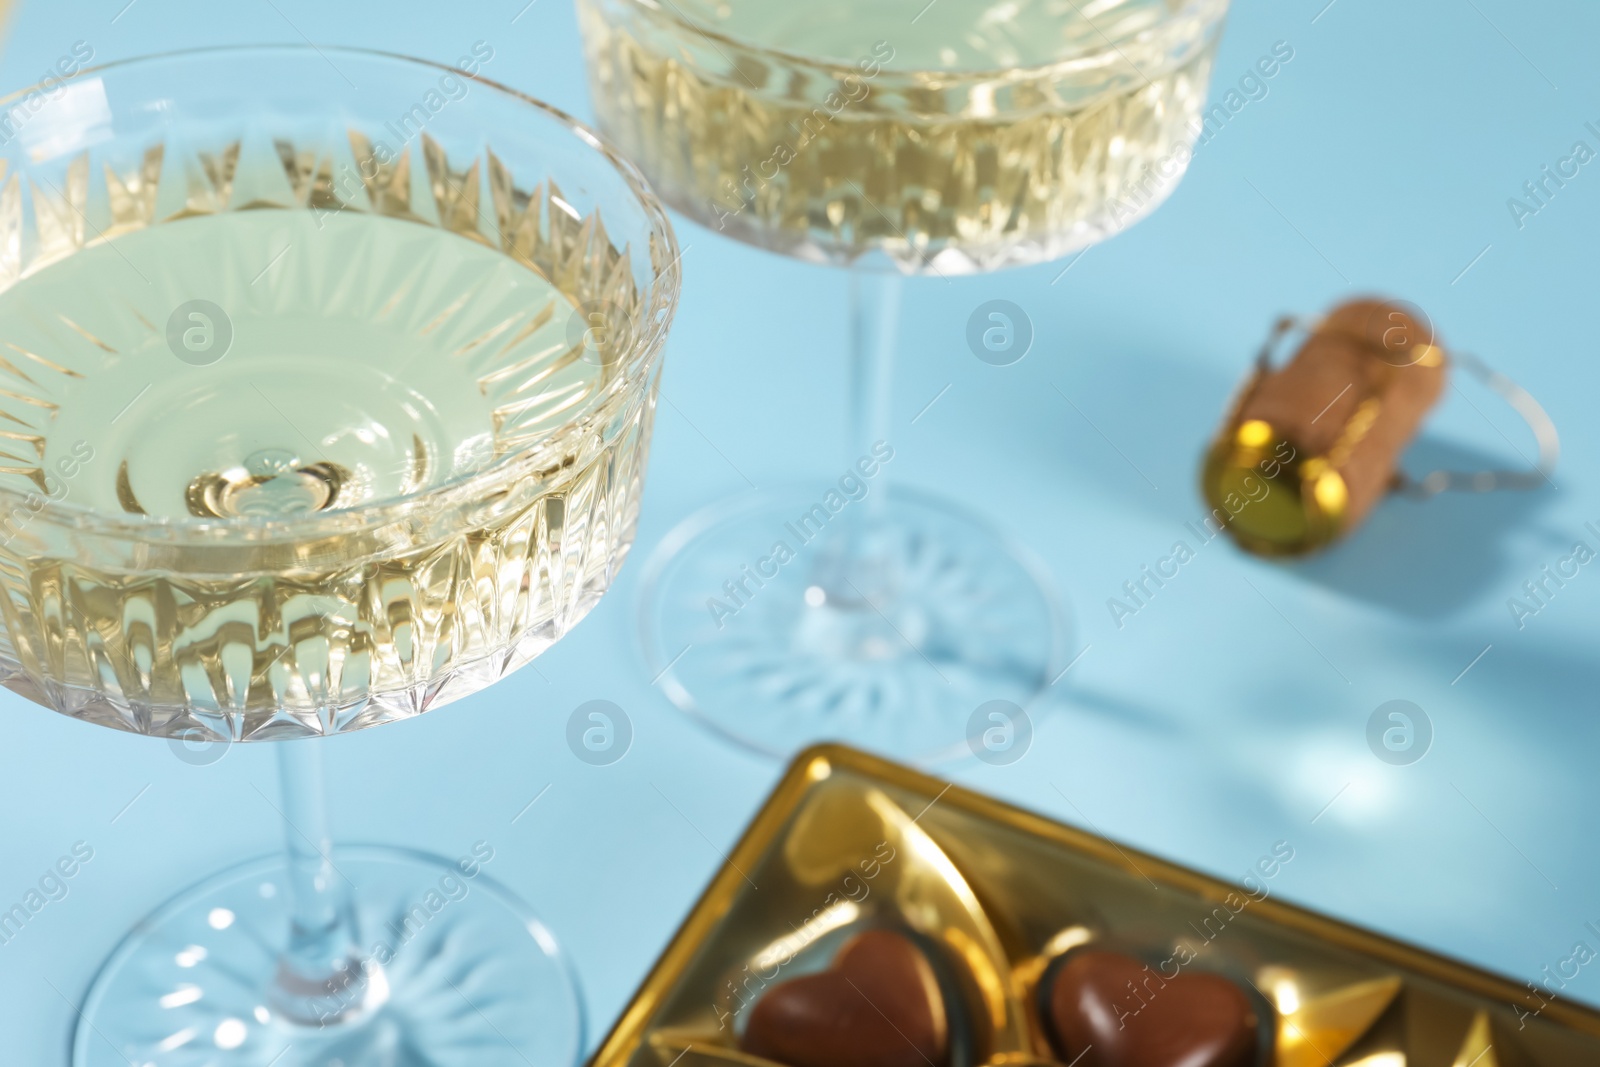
1221,719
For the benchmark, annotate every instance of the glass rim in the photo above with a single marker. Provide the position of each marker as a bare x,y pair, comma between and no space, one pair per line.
947,79
639,361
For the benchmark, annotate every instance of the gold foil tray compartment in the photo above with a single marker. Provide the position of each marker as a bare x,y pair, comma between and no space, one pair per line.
848,840
848,858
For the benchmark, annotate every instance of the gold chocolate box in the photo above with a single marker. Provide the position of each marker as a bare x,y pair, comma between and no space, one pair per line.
848,841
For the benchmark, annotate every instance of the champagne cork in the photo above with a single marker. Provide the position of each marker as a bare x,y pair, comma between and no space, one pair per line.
1312,446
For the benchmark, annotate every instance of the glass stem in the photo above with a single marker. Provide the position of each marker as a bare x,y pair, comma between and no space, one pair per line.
851,576
874,327
321,979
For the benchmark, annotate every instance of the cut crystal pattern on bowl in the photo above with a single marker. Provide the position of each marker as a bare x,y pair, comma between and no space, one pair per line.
233,627
860,162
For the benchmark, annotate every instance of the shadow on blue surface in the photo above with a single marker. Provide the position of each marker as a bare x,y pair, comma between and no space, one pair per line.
1431,558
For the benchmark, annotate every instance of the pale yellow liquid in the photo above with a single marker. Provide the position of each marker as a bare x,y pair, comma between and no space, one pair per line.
399,356
935,179
945,35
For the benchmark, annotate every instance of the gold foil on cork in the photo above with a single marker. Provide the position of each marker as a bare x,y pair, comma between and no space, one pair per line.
1310,447
849,841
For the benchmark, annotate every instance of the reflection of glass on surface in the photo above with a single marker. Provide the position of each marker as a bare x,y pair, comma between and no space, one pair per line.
956,136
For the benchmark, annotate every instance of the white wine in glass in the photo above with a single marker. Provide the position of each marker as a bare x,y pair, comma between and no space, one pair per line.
974,136
891,137
315,364
313,419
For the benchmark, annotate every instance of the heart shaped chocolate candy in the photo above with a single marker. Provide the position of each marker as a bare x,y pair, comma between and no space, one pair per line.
1110,1010
879,1005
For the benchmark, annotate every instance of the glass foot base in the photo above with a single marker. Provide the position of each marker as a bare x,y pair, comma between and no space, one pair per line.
465,975
885,623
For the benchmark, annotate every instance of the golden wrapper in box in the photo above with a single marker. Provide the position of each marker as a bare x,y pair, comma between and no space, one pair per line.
848,842
1311,447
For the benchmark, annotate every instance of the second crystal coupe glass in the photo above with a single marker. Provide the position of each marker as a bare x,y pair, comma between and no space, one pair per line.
893,137
306,427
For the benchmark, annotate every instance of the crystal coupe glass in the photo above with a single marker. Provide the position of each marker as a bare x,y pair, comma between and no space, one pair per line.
305,426
892,137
